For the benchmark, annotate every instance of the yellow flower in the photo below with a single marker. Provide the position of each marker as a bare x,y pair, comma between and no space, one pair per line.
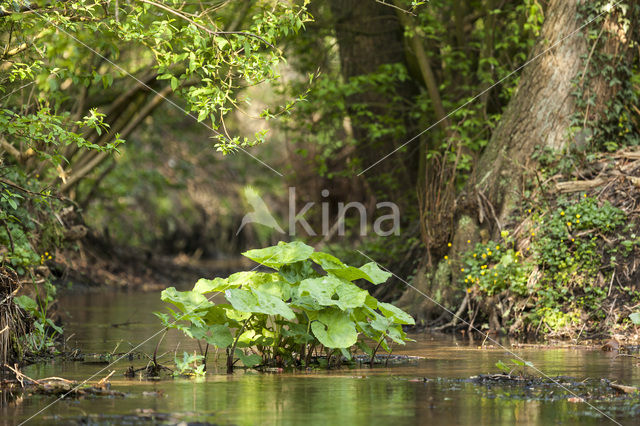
573,240
528,248
561,213
584,195
529,210
46,253
482,273
448,244
475,255
495,274
468,290
446,257
466,280
578,216
484,256
50,258
468,241
497,247
461,269
577,220
489,253
533,234
569,224
517,253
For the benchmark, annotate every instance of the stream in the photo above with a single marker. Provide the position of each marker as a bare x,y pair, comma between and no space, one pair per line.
433,390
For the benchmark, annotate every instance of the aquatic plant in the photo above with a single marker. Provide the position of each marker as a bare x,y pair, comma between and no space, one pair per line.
310,303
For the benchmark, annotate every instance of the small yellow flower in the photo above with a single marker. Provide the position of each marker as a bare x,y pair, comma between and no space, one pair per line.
497,247
475,255
489,253
569,224
446,257
482,273
484,256
448,244
495,274
46,253
577,220
50,258
529,210
561,213
468,241
533,234
461,269
528,248
584,195
466,280
578,216
573,240
468,290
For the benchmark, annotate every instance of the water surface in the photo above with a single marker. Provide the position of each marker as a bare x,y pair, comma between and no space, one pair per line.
117,322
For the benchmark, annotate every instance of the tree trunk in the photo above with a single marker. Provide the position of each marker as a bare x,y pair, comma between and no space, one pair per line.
540,114
369,36
541,111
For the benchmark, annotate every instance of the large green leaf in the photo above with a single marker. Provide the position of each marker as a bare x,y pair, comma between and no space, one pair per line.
321,289
370,271
208,286
219,336
396,314
248,360
255,301
281,254
350,296
375,274
186,301
298,271
334,329
272,305
252,279
635,318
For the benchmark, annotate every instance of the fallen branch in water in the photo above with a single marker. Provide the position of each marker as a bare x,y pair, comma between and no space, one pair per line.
60,386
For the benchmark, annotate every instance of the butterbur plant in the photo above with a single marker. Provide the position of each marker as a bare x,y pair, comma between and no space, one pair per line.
309,304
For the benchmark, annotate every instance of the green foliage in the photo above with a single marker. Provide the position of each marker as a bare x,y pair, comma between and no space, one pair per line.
635,318
189,365
566,249
496,266
45,331
606,128
283,315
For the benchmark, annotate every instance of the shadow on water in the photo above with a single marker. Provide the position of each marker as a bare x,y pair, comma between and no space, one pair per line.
354,396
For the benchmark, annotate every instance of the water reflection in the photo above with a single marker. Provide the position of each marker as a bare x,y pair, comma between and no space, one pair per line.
394,395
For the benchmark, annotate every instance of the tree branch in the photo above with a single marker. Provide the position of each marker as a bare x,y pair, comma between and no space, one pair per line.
202,27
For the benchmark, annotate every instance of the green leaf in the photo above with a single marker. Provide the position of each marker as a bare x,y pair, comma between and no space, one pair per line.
376,275
321,289
255,301
281,254
26,303
635,318
186,301
248,360
370,271
502,366
396,314
219,336
204,285
334,329
296,272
